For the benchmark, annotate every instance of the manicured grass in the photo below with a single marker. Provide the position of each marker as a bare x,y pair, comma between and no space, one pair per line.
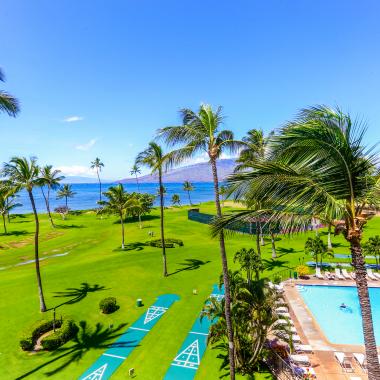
94,258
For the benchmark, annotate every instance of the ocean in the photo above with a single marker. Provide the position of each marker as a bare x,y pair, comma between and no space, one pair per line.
88,194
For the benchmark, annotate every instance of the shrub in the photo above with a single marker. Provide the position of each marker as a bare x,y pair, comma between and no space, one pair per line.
108,305
169,243
66,332
277,279
302,270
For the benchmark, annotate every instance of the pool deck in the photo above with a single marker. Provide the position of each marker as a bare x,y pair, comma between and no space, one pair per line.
322,360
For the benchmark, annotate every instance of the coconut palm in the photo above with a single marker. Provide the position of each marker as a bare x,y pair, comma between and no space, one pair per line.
154,158
98,165
8,103
176,200
250,262
65,192
200,133
135,171
24,173
51,179
372,247
188,186
318,166
116,203
316,248
7,203
139,204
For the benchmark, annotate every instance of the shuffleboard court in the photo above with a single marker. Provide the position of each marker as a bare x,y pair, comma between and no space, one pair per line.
188,358
111,359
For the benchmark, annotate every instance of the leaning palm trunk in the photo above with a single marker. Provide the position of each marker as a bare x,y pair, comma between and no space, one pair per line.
365,306
262,242
5,227
227,297
36,256
258,236
165,269
274,254
122,231
47,203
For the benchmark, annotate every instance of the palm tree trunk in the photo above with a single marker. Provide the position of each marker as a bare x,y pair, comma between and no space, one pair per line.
274,255
100,185
227,293
8,216
365,306
5,227
262,242
140,224
36,256
138,184
122,231
258,240
46,198
329,245
165,268
66,201
188,194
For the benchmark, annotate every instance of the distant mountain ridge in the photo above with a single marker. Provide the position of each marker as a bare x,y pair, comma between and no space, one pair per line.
200,172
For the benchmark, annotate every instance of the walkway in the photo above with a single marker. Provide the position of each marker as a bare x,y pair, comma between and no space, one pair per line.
110,360
186,363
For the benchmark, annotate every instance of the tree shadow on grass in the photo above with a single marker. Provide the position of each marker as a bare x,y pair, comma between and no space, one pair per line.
285,251
77,294
136,246
16,233
69,226
190,264
86,339
272,264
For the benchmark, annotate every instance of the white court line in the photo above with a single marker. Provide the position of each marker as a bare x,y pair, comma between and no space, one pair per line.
199,333
115,356
138,328
184,366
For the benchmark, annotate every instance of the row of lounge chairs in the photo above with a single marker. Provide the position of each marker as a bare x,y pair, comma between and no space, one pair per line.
346,363
342,274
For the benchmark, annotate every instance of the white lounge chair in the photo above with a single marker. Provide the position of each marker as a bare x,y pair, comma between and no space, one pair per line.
318,273
377,275
282,309
328,275
338,274
300,360
346,275
286,315
361,360
370,275
284,321
344,361
305,348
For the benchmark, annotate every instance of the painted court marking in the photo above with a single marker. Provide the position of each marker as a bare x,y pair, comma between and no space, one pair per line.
188,359
110,360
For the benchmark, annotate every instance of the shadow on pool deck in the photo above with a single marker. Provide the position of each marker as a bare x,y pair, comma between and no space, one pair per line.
87,339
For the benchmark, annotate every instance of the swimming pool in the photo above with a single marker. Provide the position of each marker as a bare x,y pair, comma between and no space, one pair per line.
340,326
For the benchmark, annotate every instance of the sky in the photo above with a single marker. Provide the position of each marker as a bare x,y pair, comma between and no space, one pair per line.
97,78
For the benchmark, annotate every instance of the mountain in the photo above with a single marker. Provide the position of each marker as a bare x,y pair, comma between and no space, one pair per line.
195,173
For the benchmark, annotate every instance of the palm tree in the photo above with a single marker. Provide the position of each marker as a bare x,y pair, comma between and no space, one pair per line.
65,192
154,158
135,171
8,103
7,203
372,247
50,179
316,248
249,261
199,133
318,166
135,206
176,200
24,173
188,186
98,165
116,203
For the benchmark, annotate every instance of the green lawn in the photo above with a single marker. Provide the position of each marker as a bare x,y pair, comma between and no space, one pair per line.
94,258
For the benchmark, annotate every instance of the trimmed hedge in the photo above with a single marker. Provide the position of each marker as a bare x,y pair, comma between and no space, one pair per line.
169,243
66,332
108,305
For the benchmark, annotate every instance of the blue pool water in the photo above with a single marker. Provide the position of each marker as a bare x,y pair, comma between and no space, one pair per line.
340,326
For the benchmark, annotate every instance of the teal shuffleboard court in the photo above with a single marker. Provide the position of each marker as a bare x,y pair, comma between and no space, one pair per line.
186,363
110,360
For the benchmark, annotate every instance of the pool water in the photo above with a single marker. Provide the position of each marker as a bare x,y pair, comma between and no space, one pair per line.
340,326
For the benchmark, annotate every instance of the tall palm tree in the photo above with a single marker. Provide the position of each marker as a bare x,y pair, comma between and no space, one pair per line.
116,203
176,200
98,165
65,192
318,166
8,103
188,186
51,179
135,171
154,158
24,173
201,133
7,203
316,248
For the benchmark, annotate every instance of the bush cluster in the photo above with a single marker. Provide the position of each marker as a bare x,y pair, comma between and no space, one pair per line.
302,270
169,243
108,305
67,331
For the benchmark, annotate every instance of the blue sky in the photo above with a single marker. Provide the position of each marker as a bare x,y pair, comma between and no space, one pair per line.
97,78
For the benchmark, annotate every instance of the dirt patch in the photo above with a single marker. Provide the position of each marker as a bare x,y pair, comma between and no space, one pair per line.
38,346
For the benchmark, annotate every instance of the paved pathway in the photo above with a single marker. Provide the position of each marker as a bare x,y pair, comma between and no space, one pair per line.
110,360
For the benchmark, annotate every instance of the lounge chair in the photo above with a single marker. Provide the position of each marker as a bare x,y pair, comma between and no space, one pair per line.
377,275
284,321
282,309
286,315
300,360
303,348
338,274
329,276
344,361
318,273
370,275
346,275
361,360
